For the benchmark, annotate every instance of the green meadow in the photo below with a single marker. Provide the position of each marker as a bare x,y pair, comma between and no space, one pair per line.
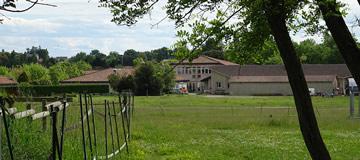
205,127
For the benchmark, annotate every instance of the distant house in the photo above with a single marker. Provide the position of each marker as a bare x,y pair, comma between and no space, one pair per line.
98,76
7,82
197,73
273,80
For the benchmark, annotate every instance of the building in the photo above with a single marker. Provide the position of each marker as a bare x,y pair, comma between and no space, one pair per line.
7,82
99,77
273,80
196,74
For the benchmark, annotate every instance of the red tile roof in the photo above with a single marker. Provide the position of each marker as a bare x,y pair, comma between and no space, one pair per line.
280,79
279,70
100,76
7,81
208,60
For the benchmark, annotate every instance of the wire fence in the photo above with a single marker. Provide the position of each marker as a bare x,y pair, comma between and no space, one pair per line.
104,128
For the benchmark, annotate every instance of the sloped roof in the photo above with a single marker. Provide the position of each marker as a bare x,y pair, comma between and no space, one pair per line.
100,76
279,70
208,60
280,79
7,81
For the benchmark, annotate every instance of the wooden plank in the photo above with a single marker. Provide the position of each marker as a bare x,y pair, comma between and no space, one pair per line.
10,110
24,114
54,104
40,115
47,113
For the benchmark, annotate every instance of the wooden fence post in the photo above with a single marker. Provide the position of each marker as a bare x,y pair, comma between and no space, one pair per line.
28,107
43,105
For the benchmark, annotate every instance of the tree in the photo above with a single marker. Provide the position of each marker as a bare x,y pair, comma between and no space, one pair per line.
64,70
83,66
259,20
310,52
37,74
148,83
81,56
128,57
213,48
99,59
349,50
113,59
120,83
164,70
4,71
10,6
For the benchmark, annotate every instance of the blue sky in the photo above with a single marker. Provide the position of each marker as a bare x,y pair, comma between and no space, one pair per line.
79,25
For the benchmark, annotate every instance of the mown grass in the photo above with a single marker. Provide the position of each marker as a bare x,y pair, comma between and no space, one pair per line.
199,127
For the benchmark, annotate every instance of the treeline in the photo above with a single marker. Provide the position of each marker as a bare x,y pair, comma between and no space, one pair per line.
37,74
36,67
95,58
309,51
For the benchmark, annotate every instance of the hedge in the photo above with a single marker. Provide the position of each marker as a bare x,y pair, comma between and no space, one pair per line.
49,90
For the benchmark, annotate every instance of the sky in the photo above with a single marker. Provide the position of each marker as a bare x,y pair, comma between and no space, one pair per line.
80,25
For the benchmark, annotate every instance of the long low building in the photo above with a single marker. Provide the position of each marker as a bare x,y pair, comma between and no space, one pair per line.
273,80
98,77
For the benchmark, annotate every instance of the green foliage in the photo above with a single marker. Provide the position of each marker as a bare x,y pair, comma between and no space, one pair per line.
138,61
121,83
45,90
23,78
147,80
4,71
241,27
83,66
37,74
65,70
165,71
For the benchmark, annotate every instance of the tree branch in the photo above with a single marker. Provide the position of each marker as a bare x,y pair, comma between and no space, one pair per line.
22,10
204,40
40,3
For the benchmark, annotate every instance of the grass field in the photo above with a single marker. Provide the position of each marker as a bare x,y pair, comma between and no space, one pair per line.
211,127
196,127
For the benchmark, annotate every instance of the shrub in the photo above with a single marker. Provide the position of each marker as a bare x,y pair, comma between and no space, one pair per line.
120,83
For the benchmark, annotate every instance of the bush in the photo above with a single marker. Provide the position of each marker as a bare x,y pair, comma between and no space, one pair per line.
46,90
120,83
37,74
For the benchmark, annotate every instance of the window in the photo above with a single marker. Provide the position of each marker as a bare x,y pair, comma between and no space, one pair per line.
199,76
206,71
194,76
209,71
199,70
202,70
218,84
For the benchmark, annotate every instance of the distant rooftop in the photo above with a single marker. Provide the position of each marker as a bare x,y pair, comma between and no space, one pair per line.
7,81
279,70
206,60
280,79
100,76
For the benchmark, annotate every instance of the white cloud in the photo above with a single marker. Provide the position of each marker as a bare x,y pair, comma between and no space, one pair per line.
79,25
42,25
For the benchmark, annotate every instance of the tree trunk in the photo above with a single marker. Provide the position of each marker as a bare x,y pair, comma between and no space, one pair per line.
307,120
342,37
